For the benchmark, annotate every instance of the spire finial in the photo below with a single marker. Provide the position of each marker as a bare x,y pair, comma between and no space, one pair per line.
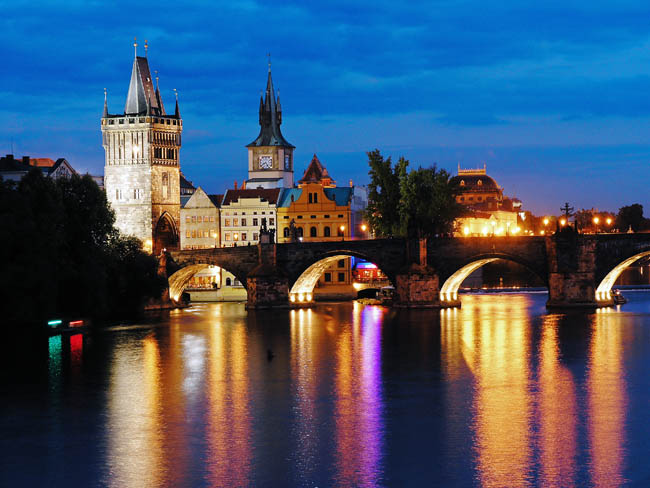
105,114
135,46
146,46
176,93
156,71
268,55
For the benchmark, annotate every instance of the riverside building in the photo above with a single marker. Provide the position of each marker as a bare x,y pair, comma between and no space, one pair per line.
142,162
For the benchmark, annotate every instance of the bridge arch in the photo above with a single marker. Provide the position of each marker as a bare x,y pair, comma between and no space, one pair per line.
302,289
604,289
449,289
179,280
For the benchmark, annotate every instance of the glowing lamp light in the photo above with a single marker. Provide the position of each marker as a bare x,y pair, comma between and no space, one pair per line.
364,227
54,323
293,298
466,231
596,220
356,286
542,233
609,220
342,228
308,296
301,297
485,230
546,221
236,236
562,222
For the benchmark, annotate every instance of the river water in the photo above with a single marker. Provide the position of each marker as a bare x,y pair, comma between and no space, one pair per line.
498,393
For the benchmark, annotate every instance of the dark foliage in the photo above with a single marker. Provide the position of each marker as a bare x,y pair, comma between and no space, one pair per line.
63,256
417,203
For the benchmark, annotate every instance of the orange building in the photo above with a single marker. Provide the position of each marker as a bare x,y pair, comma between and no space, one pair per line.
318,210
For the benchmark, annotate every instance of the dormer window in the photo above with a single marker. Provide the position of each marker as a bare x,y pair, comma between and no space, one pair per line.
480,182
462,182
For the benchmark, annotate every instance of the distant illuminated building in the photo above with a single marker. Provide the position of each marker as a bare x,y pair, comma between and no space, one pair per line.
490,213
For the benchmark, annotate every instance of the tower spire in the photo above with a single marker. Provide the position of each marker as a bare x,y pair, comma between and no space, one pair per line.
146,47
177,112
105,105
135,47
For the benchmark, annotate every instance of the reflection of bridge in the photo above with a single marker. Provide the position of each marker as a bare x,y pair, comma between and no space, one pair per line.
579,270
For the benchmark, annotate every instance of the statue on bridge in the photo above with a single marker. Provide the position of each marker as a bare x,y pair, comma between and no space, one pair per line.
293,231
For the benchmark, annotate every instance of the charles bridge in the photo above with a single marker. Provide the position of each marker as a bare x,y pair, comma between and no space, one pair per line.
578,269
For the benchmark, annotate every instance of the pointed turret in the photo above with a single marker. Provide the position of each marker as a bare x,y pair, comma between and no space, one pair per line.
177,112
140,89
161,107
270,119
105,105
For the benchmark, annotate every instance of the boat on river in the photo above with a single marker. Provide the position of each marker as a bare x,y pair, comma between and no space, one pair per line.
618,297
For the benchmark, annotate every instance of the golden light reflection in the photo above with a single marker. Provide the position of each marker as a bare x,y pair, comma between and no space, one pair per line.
496,348
134,416
557,411
607,402
228,422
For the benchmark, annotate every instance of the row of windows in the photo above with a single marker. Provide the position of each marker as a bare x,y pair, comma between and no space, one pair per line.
313,232
326,216
194,219
164,153
244,213
193,234
327,277
142,119
244,222
236,236
138,194
471,199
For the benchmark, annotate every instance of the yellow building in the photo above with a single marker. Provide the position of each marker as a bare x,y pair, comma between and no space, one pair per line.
319,211
490,213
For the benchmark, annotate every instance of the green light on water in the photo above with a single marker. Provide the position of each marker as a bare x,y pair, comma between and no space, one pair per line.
54,323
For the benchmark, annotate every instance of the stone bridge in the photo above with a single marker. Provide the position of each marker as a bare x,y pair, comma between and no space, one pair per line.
579,270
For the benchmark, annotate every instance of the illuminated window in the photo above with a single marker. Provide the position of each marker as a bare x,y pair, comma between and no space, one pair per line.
211,218
227,237
188,219
227,223
194,219
188,234
243,236
235,222
193,234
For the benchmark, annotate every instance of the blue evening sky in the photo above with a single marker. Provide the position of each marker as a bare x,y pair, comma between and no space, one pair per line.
553,96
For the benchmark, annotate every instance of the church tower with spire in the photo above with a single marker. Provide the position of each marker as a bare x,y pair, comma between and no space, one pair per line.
270,156
142,168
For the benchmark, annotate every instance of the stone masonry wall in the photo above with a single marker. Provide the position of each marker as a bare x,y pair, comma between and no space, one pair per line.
132,215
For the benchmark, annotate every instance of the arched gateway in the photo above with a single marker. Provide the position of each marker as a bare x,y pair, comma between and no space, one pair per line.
579,270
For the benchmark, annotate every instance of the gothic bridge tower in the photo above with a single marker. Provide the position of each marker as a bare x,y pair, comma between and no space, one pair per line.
142,168
270,156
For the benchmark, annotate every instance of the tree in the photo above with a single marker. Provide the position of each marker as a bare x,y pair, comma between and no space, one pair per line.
631,216
63,254
416,203
384,195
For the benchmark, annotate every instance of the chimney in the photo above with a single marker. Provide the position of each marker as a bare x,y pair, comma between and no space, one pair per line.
26,160
235,184
351,184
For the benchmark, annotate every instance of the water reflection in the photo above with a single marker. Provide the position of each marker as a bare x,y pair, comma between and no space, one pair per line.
358,414
607,401
557,410
134,415
498,393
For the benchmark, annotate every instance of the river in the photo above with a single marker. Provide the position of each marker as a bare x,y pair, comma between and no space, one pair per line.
497,393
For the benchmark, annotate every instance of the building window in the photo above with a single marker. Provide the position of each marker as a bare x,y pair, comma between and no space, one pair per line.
206,234
227,238
313,232
326,231
341,263
263,220
255,222
340,216
286,232
194,219
235,222
188,219
327,216
211,218
228,281
243,236
311,198
271,221
243,222
227,223
193,234
340,232
118,194
312,216
462,199
471,199
328,277
255,236
165,184
188,234
300,231
315,197
341,277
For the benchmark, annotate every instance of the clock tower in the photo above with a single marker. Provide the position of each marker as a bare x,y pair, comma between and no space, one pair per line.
270,156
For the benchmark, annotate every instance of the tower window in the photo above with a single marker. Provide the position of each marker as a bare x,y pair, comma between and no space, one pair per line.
327,231
165,184
313,232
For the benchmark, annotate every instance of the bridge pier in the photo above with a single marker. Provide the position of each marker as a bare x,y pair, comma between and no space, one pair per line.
417,287
267,288
571,271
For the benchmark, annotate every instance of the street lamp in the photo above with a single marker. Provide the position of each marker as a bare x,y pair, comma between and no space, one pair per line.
342,229
546,220
562,222
596,221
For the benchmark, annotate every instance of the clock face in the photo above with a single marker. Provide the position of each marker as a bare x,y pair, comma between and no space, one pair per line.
286,162
266,162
